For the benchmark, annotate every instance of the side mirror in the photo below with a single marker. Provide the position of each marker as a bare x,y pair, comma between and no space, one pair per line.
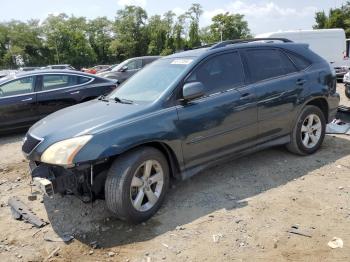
123,69
192,90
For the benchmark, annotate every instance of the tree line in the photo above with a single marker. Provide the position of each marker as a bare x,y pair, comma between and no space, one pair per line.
335,18
81,42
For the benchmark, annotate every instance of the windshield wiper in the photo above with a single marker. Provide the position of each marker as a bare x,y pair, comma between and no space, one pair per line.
103,98
123,101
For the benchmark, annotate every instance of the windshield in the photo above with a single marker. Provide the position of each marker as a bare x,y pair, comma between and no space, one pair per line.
117,67
148,84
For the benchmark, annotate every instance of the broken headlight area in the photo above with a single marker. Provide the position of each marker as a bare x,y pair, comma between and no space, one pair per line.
85,181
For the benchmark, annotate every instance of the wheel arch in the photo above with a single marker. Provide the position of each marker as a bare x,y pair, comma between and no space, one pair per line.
167,151
322,104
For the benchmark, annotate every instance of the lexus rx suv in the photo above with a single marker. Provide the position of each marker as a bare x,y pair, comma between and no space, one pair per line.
180,115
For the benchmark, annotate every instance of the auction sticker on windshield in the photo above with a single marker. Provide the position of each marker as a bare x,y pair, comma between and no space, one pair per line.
181,61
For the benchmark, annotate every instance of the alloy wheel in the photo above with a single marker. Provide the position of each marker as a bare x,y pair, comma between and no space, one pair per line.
146,185
311,131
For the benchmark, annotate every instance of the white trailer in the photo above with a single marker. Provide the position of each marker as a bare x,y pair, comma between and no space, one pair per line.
331,44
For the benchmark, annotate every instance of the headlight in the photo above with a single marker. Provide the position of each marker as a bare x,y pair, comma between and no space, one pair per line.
346,77
62,153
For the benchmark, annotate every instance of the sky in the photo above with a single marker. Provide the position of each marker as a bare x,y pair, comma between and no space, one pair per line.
262,15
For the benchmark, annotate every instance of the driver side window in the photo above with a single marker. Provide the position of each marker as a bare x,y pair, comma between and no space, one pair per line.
134,65
17,87
219,73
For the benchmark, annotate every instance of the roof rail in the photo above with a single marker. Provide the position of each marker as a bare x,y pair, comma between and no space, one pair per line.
241,41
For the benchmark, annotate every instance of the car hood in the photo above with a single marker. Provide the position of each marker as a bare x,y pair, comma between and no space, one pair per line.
87,118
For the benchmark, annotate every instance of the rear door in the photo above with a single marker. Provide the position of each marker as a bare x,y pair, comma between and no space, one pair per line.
277,83
18,103
58,91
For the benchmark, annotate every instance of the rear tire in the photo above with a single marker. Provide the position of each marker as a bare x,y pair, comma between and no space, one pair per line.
309,131
347,91
136,184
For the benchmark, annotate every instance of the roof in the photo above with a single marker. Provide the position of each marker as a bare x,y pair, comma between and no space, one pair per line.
44,71
238,43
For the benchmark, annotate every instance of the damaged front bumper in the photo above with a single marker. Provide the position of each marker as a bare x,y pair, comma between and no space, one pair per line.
86,181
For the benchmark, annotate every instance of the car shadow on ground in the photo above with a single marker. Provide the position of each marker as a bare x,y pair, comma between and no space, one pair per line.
11,138
222,187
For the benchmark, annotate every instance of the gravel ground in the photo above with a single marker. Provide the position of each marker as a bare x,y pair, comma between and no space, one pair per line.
243,210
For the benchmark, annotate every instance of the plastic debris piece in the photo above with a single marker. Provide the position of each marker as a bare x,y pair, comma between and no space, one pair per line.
336,243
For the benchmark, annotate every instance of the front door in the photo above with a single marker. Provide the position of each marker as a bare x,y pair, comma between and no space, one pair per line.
225,119
18,104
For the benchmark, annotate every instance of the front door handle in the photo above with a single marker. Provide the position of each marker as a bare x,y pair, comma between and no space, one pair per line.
301,82
27,99
75,93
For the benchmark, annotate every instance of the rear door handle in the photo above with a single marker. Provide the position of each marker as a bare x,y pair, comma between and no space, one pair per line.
246,96
27,99
75,93
301,82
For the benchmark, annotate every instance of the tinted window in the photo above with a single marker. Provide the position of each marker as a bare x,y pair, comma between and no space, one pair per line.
83,80
17,87
135,64
58,81
148,61
265,64
300,62
219,73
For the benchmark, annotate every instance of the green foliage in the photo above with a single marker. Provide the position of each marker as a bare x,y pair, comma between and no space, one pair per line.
336,18
63,39
230,26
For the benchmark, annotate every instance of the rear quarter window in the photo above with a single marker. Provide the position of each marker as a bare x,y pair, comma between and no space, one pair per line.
300,62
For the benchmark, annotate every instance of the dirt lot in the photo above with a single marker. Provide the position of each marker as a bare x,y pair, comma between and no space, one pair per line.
238,211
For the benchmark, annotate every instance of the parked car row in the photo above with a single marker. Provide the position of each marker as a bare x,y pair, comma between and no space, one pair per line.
29,96
177,116
128,68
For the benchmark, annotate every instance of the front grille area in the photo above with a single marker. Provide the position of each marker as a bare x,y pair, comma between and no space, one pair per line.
30,143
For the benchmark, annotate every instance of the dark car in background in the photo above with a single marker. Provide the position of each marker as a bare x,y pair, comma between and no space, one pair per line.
27,97
128,68
180,115
58,67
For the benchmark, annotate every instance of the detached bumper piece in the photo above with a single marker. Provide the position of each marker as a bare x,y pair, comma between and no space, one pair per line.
21,211
340,125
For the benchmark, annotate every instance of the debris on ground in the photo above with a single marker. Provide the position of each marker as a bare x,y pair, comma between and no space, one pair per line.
20,211
336,243
111,254
52,254
297,231
217,237
55,238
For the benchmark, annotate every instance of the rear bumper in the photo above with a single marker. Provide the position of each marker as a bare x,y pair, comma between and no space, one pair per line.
333,103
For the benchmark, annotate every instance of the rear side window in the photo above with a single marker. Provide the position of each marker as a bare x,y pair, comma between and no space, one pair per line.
268,63
58,81
219,73
300,62
83,79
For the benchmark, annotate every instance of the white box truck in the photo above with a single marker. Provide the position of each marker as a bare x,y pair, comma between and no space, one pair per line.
331,44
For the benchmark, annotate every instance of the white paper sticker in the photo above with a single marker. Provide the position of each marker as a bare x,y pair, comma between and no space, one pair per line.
182,61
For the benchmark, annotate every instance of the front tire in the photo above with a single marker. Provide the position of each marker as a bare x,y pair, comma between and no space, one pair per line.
309,131
136,184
